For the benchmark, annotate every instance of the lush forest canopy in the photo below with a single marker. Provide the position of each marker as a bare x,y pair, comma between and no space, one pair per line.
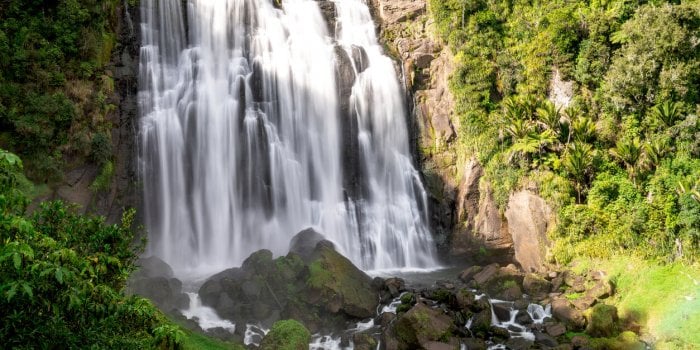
621,162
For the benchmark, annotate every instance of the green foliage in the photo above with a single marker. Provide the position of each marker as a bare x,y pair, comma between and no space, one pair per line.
286,335
625,148
104,179
62,277
54,54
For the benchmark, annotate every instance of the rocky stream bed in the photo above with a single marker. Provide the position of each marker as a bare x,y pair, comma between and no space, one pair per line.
477,307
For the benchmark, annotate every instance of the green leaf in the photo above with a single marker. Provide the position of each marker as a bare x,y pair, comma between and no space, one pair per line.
17,260
27,289
12,291
59,275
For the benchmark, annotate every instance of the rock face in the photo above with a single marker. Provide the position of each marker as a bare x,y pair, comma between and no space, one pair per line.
123,68
316,286
478,224
529,218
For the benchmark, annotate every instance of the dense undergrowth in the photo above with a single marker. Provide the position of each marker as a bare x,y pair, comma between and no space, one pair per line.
621,163
55,87
62,278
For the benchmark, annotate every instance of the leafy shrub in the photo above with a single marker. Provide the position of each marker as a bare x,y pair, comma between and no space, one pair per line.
62,277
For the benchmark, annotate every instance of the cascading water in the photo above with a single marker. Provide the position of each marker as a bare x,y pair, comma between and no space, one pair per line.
258,122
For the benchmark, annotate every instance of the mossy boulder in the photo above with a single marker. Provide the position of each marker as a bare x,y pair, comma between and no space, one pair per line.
602,321
286,335
536,286
316,286
337,284
422,325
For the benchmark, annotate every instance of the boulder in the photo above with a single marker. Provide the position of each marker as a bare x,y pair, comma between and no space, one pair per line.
364,341
304,243
313,284
421,326
152,266
464,299
518,343
555,329
563,311
340,286
481,323
536,286
528,221
475,344
468,274
602,321
385,319
545,339
395,286
286,335
486,274
165,292
502,311
600,290
154,280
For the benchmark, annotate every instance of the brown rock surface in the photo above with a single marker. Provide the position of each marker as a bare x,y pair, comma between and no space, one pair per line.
528,220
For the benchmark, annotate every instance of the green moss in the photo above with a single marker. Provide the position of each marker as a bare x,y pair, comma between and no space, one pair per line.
104,179
625,341
602,320
573,296
506,284
286,335
407,298
318,275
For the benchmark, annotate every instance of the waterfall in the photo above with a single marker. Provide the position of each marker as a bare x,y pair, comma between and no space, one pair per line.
260,119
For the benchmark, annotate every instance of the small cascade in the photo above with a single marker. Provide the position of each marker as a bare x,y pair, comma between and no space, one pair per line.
205,316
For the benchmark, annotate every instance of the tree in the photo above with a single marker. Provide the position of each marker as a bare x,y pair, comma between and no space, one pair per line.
667,112
578,163
629,153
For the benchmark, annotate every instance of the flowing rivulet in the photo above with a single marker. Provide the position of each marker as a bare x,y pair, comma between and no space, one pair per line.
247,136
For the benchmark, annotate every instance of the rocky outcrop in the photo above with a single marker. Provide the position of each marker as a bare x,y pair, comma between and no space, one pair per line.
479,228
315,286
529,218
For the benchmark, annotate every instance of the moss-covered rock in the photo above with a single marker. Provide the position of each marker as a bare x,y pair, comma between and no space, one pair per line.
422,325
321,289
286,335
338,285
602,321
